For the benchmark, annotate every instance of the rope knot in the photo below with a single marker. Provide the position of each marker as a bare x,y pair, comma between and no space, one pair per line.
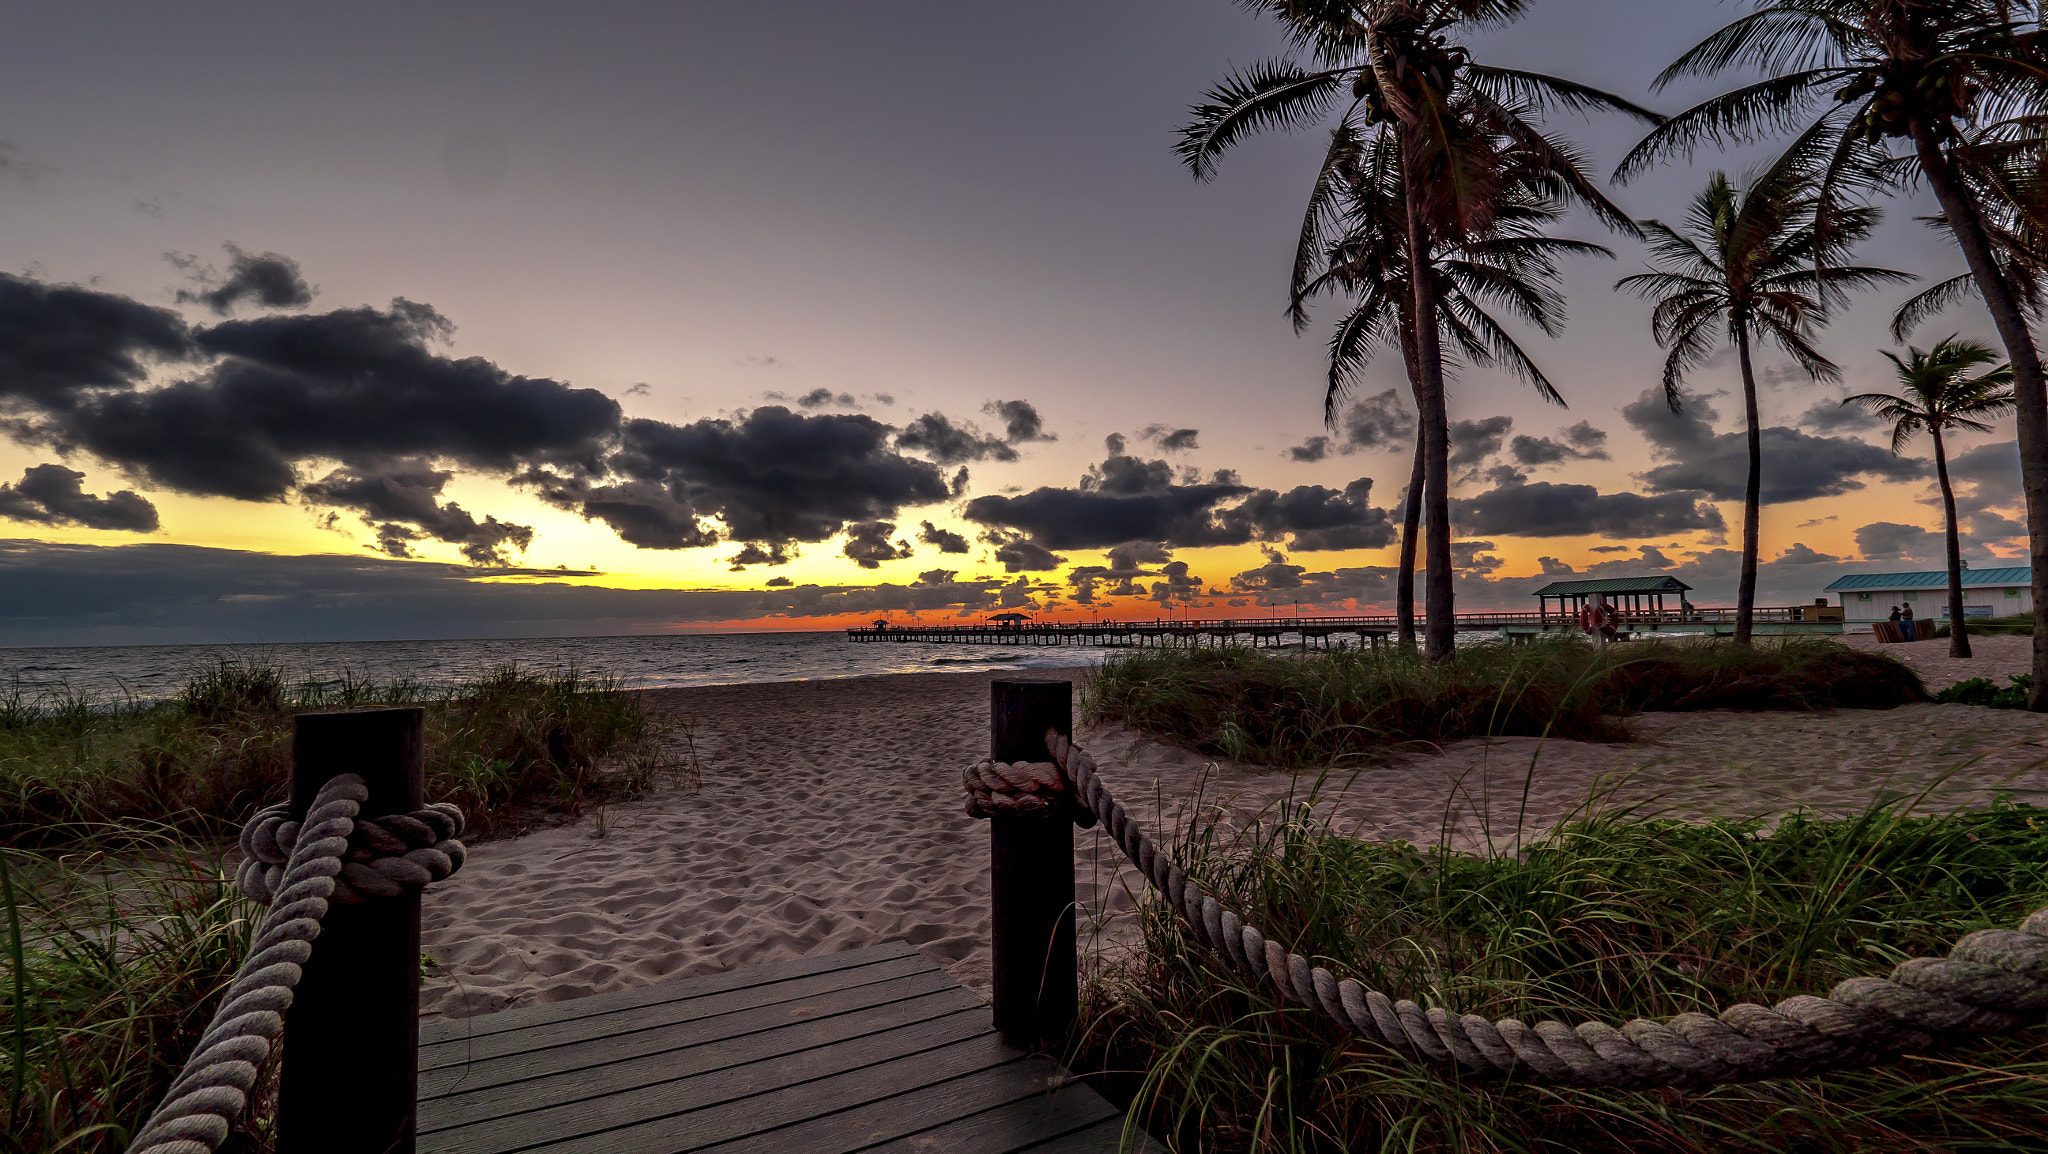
385,856
1022,789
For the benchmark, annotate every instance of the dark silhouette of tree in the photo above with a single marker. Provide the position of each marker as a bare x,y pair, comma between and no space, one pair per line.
1747,265
1513,268
1946,91
1937,394
1460,127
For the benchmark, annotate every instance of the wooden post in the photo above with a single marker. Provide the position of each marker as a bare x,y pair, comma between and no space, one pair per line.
1031,876
351,1037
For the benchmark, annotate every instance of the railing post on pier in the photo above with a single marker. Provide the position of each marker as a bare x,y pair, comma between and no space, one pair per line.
1031,876
351,1037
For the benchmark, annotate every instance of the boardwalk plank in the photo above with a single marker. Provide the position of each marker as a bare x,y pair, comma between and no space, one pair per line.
691,1057
659,1037
446,1030
501,1044
737,1100
1001,1109
1101,1138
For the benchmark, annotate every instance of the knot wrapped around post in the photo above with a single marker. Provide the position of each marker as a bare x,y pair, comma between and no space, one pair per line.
1023,789
385,856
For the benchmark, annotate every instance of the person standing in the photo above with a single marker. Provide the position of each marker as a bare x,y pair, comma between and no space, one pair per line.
1906,622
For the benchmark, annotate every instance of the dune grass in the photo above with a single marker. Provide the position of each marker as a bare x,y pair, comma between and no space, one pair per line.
72,768
1331,708
1610,916
121,924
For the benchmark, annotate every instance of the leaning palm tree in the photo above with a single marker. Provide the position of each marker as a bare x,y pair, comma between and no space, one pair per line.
1514,268
1456,123
1750,265
1936,393
1932,76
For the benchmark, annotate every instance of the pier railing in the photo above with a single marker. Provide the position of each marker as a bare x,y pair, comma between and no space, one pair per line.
1369,625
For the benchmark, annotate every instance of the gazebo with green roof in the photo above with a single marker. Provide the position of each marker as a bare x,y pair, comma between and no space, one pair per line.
1632,593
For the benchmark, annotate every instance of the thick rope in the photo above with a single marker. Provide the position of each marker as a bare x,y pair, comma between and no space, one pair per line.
1993,981
297,869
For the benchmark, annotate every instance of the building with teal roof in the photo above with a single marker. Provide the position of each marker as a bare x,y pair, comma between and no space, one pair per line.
1996,592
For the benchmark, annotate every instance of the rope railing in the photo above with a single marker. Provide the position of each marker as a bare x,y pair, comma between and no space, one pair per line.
1992,981
298,869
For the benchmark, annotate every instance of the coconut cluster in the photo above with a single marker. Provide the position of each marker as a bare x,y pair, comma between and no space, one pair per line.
1414,57
1909,91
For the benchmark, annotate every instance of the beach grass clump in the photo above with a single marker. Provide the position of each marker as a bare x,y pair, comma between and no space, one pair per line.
74,769
1332,707
112,965
1608,917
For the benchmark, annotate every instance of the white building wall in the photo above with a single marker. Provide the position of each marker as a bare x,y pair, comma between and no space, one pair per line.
1876,604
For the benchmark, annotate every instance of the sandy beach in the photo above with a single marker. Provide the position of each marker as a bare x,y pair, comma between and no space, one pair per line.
829,816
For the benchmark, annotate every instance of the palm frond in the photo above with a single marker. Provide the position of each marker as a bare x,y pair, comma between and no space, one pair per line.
1269,94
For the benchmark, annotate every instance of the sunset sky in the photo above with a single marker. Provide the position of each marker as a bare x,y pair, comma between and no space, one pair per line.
381,321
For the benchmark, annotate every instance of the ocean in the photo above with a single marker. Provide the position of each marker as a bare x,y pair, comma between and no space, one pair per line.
142,673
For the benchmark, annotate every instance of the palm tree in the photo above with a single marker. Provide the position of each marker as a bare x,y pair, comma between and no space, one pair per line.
1937,394
1457,125
1515,267
1957,84
1750,265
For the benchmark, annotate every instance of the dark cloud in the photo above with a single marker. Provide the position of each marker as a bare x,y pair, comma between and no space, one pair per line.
1549,510
1832,416
1021,422
55,495
779,583
1473,555
770,476
59,343
1313,449
1892,541
1796,466
936,436
1126,498
1552,567
1988,495
1124,565
1017,553
818,398
946,540
1170,439
868,544
401,500
1320,518
1472,442
350,385
266,279
1581,442
1377,422
53,594
1175,583
779,553
646,514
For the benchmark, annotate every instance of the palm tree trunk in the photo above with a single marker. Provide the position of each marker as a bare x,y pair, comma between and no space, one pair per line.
1440,635
1958,629
1745,590
1411,526
2030,395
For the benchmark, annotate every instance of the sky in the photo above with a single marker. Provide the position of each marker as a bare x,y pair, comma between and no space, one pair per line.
509,319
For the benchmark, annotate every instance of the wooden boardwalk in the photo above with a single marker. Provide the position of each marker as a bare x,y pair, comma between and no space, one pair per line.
872,1050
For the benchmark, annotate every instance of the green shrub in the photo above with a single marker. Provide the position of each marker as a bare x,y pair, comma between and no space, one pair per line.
1609,917
1331,707
1983,691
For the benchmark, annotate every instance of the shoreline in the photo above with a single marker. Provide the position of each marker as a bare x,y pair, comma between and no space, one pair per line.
830,816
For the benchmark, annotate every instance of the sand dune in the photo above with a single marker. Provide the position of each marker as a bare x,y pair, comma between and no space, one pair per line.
830,816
